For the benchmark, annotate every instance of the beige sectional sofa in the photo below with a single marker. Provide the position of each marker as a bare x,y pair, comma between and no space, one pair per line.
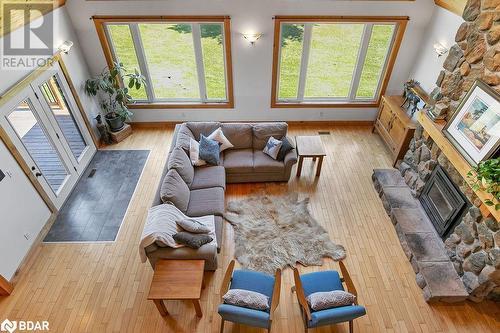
204,190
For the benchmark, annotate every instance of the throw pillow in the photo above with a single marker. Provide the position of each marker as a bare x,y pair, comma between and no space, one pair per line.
179,161
219,136
330,299
194,153
173,189
194,241
209,150
272,147
247,299
286,146
193,226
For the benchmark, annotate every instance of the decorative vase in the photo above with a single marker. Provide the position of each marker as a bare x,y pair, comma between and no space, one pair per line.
115,122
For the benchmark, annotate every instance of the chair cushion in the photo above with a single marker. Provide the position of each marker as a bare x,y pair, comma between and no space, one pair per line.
219,136
193,226
206,201
238,160
247,299
322,300
253,281
173,189
179,161
245,316
321,281
209,150
240,134
336,315
203,127
263,131
209,176
264,163
194,241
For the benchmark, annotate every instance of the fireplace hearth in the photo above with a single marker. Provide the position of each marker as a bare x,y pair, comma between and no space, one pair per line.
443,202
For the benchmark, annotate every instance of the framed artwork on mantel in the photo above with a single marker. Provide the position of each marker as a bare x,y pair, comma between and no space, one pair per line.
474,129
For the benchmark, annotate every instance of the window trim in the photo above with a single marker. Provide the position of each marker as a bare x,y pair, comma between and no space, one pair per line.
400,27
101,21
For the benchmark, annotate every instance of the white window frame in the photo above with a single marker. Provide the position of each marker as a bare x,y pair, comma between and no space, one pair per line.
198,51
358,69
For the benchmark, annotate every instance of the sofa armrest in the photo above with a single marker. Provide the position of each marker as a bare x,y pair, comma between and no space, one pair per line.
290,160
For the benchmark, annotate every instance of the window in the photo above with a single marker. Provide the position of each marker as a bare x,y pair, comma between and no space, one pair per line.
186,61
333,61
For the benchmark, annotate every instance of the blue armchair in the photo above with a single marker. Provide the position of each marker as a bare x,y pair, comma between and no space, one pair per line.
253,281
307,284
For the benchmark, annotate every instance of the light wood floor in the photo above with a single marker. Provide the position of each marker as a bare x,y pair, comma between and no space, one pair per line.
103,287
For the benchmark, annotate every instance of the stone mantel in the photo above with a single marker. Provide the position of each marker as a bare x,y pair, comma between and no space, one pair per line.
435,131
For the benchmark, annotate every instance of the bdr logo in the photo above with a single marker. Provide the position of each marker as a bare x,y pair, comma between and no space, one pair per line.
21,325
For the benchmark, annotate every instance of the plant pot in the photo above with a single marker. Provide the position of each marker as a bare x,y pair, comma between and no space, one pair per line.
115,122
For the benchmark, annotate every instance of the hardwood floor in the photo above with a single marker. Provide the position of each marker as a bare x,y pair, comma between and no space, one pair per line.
103,287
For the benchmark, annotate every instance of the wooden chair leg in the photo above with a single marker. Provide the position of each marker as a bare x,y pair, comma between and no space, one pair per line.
351,326
222,326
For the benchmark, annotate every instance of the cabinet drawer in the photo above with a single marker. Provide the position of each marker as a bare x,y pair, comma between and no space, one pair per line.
397,130
385,116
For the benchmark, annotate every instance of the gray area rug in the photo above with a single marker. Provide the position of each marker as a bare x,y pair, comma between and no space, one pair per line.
277,231
95,209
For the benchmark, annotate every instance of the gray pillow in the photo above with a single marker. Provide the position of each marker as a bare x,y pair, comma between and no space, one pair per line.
286,147
247,299
263,131
330,299
194,241
209,150
193,226
179,161
173,189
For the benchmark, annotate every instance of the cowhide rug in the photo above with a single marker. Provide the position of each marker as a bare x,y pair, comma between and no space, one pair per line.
277,231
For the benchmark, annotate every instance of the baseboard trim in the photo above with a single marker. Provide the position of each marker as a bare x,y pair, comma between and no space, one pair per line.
140,124
5,287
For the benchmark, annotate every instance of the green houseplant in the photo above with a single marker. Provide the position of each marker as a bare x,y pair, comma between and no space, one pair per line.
486,177
114,84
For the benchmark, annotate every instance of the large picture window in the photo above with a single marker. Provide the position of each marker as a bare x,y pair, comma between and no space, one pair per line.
333,61
186,60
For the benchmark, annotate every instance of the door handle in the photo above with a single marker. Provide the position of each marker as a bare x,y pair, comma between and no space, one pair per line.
38,174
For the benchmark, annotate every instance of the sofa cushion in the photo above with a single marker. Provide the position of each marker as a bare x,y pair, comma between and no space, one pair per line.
206,201
264,163
209,150
286,146
193,226
238,160
175,190
203,127
240,134
263,131
272,147
179,161
194,241
208,176
183,137
218,135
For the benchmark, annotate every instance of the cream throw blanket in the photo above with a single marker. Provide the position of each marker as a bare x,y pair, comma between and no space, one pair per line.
161,225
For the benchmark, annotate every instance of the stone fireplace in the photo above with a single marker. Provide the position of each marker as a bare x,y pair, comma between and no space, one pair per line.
443,203
460,257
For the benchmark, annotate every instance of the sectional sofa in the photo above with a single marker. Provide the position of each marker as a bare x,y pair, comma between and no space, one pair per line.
202,190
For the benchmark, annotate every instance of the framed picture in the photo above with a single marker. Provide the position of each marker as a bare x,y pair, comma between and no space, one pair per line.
474,129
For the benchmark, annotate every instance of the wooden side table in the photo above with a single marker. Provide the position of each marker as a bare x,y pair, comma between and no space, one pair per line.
177,280
310,147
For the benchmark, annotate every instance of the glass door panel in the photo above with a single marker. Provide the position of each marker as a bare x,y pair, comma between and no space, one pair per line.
61,110
38,145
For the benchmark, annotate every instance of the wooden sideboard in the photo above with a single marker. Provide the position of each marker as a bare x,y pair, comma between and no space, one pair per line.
394,126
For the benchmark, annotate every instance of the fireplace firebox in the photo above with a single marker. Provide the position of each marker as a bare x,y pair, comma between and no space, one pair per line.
443,202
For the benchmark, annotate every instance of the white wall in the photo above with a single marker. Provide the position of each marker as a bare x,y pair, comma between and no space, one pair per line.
252,65
22,209
23,212
442,28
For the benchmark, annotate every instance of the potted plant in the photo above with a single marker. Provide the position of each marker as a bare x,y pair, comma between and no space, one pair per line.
486,176
112,85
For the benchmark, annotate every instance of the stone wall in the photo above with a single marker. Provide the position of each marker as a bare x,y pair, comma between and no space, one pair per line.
476,55
474,246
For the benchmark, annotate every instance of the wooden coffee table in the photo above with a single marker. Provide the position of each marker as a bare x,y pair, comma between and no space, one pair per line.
177,280
311,147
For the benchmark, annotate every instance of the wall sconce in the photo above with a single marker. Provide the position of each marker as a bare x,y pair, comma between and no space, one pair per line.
440,49
66,46
252,37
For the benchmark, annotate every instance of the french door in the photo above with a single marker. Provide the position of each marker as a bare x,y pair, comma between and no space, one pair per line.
45,125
